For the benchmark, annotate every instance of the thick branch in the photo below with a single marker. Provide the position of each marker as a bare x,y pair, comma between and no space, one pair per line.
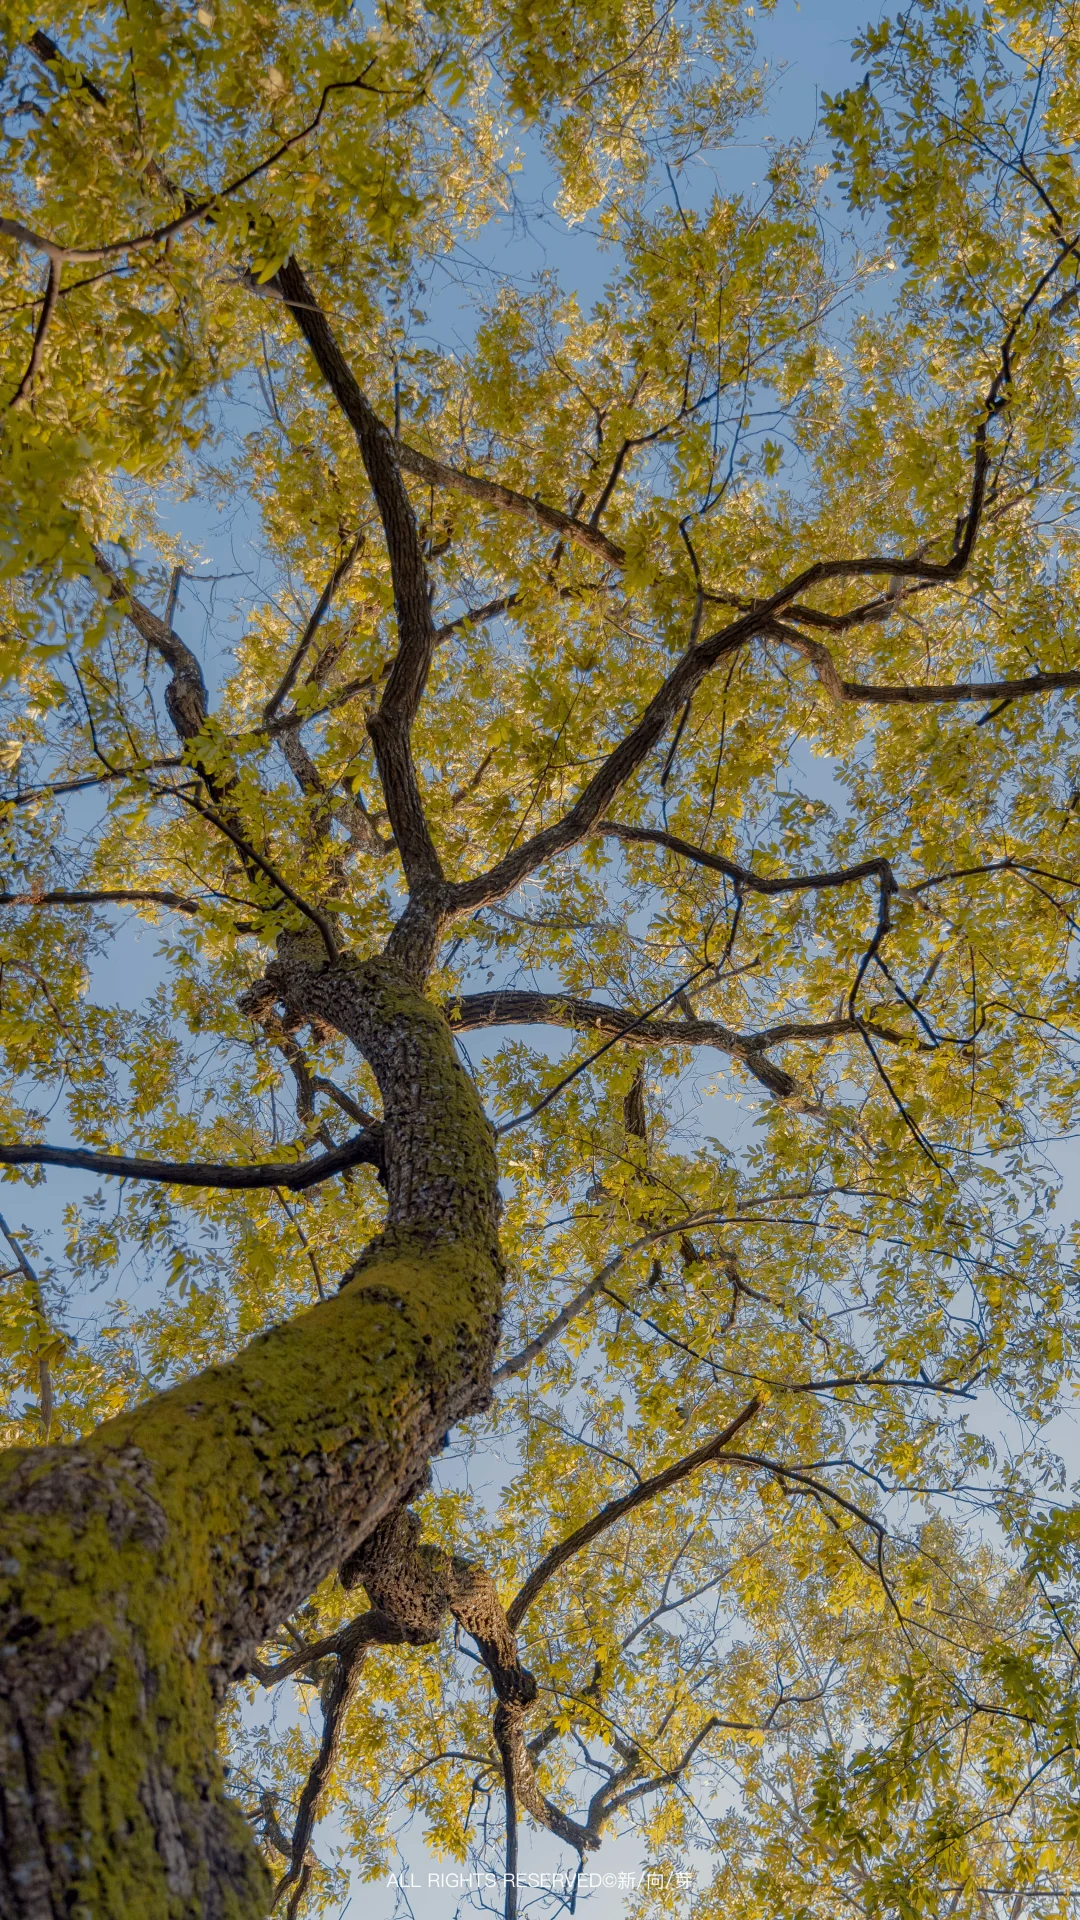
417,1584
391,726
508,1006
745,877
861,693
364,1149
108,896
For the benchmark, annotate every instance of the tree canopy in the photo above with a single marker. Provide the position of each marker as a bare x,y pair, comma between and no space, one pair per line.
673,682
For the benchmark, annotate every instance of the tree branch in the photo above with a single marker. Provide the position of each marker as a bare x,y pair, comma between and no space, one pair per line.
491,493
860,693
194,211
707,1455
318,918
534,1347
322,605
758,620
350,1647
510,1006
391,726
29,794
343,806
46,1400
186,701
47,51
48,308
878,867
364,1149
108,896
185,696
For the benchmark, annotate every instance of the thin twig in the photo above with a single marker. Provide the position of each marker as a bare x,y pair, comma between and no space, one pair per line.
318,615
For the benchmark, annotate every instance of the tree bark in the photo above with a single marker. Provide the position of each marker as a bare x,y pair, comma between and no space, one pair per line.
141,1568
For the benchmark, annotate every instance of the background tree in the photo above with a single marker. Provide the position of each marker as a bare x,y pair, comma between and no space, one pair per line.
690,670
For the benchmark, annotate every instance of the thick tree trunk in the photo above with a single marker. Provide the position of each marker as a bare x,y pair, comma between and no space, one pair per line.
141,1569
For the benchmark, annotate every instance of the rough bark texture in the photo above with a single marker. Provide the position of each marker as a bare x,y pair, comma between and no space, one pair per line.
413,1584
141,1569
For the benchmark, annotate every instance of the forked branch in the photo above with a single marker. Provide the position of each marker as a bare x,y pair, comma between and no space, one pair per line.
391,725
413,1585
707,1455
510,1006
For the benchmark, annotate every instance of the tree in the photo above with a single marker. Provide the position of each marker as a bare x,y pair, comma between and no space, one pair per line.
698,667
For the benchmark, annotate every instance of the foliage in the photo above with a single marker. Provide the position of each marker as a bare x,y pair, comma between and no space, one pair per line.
870,1605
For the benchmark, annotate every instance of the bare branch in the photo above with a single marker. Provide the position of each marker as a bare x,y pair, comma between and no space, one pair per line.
634,1022
621,763
343,806
345,1101
611,1803
186,700
504,1741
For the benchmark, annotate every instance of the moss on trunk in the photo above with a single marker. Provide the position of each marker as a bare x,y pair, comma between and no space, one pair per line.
142,1569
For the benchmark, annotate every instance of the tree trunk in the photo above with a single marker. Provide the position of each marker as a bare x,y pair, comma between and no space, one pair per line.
141,1569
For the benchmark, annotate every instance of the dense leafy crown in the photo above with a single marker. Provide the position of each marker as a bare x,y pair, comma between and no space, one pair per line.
841,1657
